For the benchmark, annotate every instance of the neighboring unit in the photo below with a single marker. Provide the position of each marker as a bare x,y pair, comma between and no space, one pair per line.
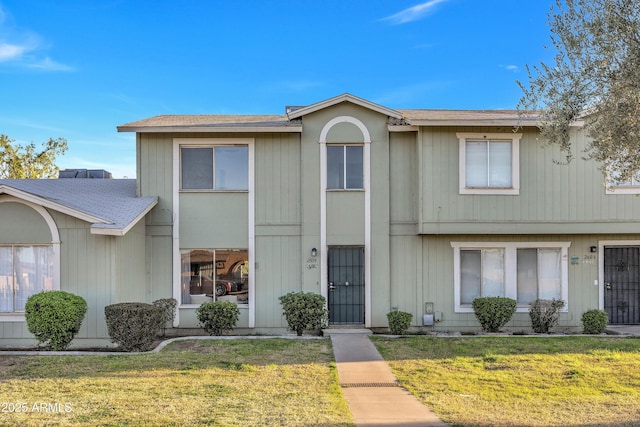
376,209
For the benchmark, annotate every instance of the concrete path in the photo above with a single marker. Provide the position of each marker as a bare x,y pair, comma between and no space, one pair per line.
374,396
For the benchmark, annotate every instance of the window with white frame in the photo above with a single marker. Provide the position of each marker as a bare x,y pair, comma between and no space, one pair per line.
489,163
24,270
345,167
615,185
522,271
214,275
219,167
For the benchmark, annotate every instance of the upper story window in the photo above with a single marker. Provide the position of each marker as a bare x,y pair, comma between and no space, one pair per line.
344,167
618,186
220,167
489,163
523,271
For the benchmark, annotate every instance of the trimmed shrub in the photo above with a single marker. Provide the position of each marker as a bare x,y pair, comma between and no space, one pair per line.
493,312
218,316
54,317
304,311
594,321
545,314
399,321
168,305
134,326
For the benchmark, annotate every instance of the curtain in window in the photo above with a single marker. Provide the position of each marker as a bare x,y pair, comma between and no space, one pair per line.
6,279
527,275
476,164
549,274
488,164
539,274
470,275
24,271
493,273
500,164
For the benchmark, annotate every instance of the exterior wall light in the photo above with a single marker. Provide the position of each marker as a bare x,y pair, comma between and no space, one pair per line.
314,252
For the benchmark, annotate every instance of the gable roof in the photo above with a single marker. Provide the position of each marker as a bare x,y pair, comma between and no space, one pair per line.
110,205
401,119
345,97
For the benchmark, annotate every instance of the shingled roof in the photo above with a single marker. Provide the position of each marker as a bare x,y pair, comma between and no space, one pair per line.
110,205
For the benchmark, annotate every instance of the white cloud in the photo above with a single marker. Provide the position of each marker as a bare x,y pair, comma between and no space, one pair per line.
513,68
47,64
24,48
9,52
413,13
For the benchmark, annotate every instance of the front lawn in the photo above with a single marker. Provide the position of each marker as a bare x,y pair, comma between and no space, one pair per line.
262,382
521,381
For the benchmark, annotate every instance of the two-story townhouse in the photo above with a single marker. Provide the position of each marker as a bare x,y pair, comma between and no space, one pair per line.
373,208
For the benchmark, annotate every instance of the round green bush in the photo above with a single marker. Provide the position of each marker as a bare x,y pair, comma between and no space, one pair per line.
218,316
54,317
134,326
493,312
399,321
304,311
594,321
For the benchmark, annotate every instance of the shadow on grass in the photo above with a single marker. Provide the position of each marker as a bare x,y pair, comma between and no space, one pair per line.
184,355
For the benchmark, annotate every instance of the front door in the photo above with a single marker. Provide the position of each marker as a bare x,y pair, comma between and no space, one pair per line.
346,285
622,284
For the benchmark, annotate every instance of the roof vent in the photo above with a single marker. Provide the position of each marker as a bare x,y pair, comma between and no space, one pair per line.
84,173
292,108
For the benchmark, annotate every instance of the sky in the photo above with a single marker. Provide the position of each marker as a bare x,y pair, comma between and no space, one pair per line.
78,69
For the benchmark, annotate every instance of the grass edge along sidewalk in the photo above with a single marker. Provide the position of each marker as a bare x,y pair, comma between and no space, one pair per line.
232,382
521,381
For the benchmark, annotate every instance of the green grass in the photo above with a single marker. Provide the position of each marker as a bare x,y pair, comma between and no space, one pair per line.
266,382
521,381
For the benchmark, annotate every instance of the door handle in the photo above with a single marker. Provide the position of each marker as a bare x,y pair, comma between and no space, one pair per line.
608,286
332,287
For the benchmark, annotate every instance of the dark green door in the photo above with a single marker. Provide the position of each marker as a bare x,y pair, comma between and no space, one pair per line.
622,284
346,285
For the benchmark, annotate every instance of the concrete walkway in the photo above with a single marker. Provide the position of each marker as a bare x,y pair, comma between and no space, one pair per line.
374,396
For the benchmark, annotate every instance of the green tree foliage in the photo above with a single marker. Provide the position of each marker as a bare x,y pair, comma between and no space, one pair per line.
28,162
595,77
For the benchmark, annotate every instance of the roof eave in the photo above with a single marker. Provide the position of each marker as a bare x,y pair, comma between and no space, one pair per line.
23,195
121,231
210,129
484,122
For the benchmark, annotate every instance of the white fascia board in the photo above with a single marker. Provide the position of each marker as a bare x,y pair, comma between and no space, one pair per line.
346,97
51,205
210,129
107,231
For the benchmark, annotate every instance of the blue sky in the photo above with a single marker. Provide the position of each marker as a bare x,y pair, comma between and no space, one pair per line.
77,69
